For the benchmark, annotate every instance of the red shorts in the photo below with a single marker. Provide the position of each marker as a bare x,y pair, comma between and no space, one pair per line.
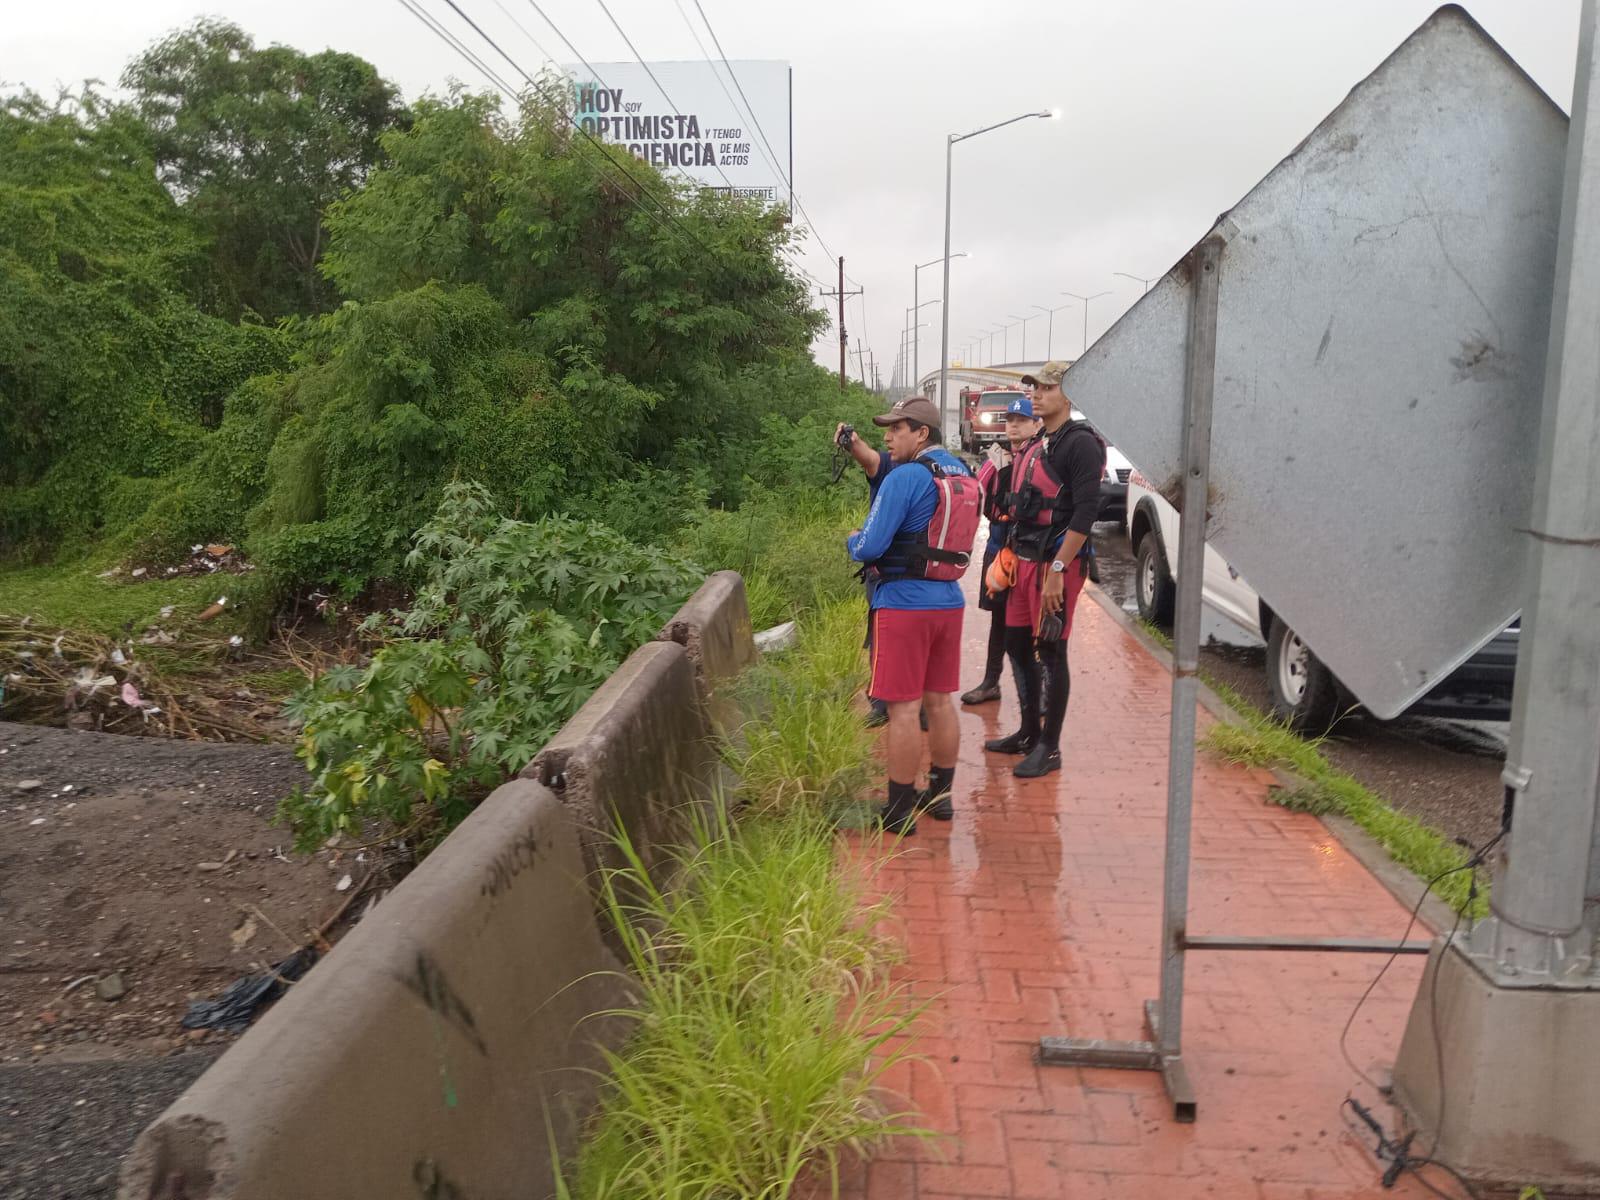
1022,601
915,651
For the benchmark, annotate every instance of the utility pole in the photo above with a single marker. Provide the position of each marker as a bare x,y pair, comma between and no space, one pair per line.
844,338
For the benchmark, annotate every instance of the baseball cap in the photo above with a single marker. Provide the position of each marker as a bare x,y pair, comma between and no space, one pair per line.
1021,406
1047,375
912,408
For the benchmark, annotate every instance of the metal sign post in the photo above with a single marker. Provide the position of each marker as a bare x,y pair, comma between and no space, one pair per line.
1390,275
1164,1051
1497,1061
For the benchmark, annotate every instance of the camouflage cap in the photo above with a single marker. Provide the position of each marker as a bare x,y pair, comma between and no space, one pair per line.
1046,376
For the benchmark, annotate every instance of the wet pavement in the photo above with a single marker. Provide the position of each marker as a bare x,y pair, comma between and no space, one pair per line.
1445,773
1037,912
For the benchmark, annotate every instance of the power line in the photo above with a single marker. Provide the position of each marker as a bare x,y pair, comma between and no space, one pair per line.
548,57
450,39
748,107
750,110
671,103
644,190
440,30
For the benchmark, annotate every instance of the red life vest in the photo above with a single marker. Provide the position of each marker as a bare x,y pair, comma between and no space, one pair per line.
1038,498
942,550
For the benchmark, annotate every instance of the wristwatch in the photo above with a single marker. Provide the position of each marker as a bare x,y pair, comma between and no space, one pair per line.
1057,566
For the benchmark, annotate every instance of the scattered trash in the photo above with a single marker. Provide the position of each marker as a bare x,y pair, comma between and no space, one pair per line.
157,637
139,572
241,936
236,1007
37,821
216,551
130,696
778,638
29,785
212,611
167,610
76,984
236,641
343,885
118,657
65,788
110,987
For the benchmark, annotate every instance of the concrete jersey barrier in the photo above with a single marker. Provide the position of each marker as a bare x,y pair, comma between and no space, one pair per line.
713,626
432,1053
637,755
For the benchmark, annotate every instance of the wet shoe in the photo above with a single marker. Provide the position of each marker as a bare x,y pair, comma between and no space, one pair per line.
935,799
1019,742
942,809
899,815
877,715
1041,760
984,693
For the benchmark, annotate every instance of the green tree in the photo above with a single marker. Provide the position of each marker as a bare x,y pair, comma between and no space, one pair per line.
258,143
109,375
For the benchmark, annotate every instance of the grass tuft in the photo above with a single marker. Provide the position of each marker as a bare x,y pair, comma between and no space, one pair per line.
809,744
763,997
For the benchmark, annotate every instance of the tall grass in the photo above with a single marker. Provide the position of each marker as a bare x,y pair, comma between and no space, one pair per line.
806,743
762,998
766,1019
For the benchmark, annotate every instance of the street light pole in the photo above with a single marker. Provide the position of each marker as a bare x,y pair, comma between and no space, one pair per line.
1138,279
911,361
1024,321
944,332
1085,300
1050,345
916,279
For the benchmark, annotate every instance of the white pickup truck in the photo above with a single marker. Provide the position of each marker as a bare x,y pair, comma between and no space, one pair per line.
1304,692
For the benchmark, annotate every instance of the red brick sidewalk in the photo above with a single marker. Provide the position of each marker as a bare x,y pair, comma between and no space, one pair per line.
1037,911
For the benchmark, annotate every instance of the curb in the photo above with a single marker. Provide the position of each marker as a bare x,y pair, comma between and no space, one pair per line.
1363,847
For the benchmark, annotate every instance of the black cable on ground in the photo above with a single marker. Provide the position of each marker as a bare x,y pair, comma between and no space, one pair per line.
1398,1153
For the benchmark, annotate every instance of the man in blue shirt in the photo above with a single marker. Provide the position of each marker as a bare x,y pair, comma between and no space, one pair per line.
916,644
875,465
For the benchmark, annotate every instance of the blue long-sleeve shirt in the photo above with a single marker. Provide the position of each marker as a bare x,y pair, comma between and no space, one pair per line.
905,501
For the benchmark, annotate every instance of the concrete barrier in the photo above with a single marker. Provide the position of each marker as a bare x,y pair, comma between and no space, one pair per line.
432,1053
714,627
637,755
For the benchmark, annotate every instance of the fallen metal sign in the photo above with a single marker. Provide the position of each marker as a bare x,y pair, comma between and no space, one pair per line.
1381,338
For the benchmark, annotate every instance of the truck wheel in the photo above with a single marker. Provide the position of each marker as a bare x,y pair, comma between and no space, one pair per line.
1153,587
1305,693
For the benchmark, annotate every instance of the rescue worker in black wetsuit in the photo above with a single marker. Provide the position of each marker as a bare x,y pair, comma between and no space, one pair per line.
1052,506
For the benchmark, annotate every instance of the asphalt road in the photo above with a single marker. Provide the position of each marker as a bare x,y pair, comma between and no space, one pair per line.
1446,773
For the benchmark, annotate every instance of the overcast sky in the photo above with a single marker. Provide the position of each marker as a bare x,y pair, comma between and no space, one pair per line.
1171,110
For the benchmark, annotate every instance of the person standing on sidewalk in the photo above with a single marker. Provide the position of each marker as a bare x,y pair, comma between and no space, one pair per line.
1053,504
994,477
875,465
916,641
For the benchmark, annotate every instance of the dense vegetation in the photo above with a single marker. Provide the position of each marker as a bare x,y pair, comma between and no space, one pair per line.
199,344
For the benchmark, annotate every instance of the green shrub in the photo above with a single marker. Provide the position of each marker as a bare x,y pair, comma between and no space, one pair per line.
514,626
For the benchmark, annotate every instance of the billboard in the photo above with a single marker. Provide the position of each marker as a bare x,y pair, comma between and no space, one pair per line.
690,120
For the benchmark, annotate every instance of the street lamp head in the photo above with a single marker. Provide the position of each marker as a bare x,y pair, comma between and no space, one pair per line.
1054,114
